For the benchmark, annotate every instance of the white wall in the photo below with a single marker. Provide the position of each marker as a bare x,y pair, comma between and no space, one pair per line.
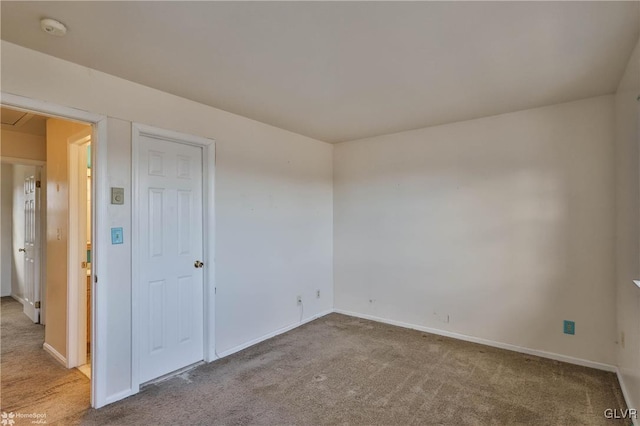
6,235
627,110
505,224
273,202
274,225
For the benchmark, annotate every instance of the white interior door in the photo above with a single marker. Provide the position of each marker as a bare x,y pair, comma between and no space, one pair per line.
31,248
170,254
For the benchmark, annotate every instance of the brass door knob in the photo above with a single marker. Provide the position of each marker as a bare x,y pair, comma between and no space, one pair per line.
198,264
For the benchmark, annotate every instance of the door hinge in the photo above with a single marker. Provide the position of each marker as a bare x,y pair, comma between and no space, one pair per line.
37,305
95,279
38,184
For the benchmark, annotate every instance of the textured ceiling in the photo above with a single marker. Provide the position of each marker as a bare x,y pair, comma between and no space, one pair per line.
339,71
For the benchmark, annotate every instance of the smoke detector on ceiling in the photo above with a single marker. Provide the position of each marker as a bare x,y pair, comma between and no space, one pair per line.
53,27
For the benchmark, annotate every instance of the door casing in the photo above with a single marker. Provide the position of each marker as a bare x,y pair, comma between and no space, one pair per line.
100,231
208,204
76,284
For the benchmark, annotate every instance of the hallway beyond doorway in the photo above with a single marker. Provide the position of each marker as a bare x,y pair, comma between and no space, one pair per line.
32,381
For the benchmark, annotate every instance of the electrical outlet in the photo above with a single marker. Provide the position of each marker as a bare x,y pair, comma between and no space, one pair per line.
569,327
299,300
317,294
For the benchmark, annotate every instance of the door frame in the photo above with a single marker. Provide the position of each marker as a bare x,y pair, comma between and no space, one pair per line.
208,242
99,216
76,286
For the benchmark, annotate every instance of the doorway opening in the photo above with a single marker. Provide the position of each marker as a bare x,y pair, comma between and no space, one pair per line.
47,185
21,243
79,339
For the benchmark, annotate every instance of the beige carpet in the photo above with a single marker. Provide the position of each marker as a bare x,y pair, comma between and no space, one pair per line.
342,370
31,380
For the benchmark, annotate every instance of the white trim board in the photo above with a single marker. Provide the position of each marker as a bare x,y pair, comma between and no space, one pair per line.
22,161
487,342
272,334
208,204
77,238
57,355
17,298
118,396
43,107
625,394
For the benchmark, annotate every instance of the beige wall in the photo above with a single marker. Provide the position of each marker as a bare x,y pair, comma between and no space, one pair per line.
504,225
628,226
58,133
22,145
6,214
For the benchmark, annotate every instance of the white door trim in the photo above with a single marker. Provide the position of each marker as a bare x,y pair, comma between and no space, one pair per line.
22,161
76,285
100,229
208,205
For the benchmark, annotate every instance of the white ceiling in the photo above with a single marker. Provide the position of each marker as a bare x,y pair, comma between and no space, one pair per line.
339,71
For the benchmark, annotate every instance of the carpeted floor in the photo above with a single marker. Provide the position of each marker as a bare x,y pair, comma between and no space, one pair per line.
335,370
31,380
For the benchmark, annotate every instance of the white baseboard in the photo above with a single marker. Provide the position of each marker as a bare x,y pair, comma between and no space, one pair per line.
47,347
625,394
118,396
510,347
128,392
272,334
18,299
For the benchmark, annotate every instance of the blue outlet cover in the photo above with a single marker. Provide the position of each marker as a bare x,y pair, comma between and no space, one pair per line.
117,236
569,327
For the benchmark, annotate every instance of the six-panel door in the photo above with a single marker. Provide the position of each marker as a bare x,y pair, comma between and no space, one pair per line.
171,284
31,249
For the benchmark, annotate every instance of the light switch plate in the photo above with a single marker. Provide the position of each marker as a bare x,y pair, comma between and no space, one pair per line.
117,195
117,236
